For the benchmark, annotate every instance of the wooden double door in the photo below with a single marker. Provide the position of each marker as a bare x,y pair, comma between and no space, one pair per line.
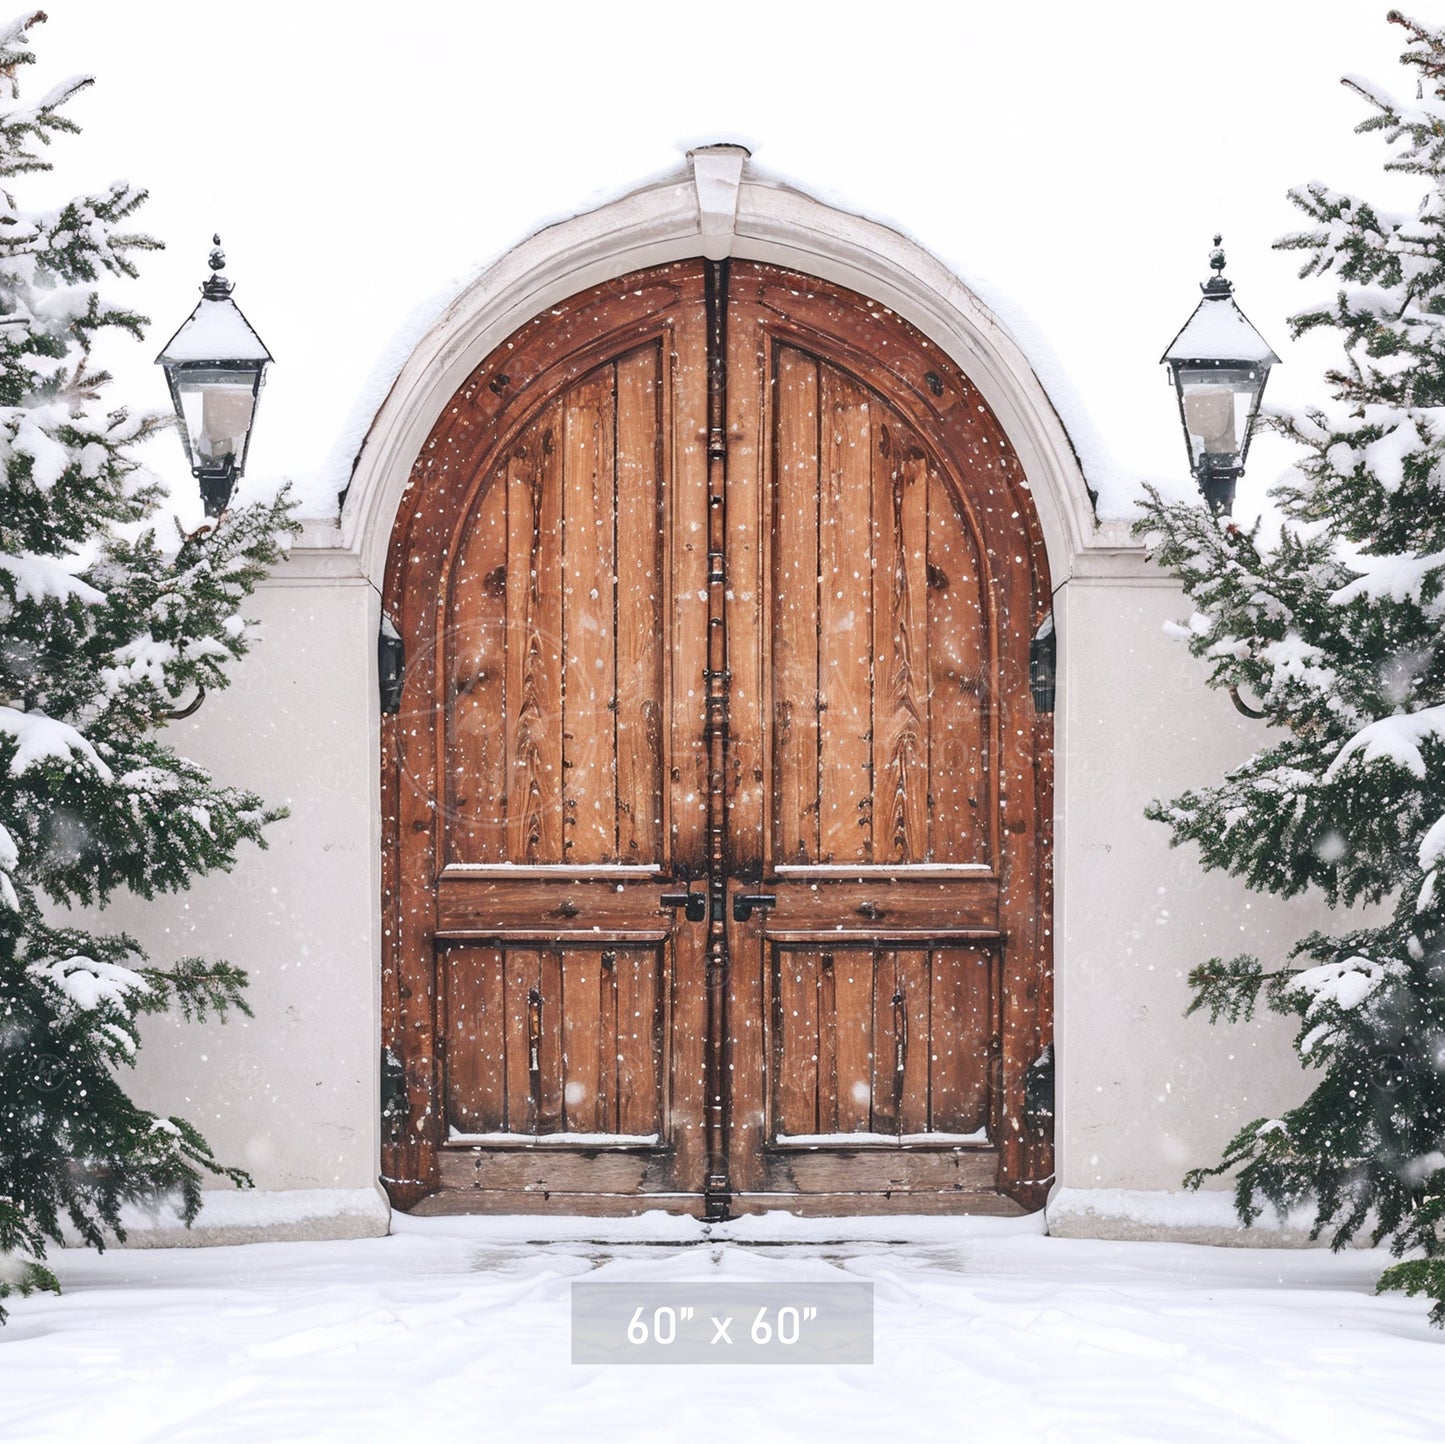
717,806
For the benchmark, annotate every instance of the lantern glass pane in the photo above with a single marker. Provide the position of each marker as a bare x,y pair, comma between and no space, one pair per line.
218,408
1217,403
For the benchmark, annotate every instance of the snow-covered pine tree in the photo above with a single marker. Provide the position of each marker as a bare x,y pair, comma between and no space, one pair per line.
1336,629
104,635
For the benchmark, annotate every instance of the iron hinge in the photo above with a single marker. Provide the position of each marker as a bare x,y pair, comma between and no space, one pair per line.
395,1110
1039,1089
390,665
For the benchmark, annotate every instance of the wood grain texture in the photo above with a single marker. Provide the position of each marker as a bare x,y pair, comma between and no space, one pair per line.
476,769
902,680
963,1036
589,610
587,1005
534,645
795,608
638,696
845,641
475,1038
959,793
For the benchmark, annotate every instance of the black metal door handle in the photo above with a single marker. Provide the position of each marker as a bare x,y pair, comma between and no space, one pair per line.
693,904
745,903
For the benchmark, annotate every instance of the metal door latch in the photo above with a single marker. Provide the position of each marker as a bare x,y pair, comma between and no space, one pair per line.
745,903
693,904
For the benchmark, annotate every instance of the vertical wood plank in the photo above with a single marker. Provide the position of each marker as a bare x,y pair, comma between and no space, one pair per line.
900,647
550,1105
589,733
959,789
583,1105
845,632
521,969
887,1035
795,609
534,644
639,610
963,1025
746,565
605,1061
827,1044
475,1039
912,981
475,639
797,1052
638,1041
853,989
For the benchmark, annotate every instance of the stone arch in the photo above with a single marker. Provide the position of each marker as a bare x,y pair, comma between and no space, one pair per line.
718,207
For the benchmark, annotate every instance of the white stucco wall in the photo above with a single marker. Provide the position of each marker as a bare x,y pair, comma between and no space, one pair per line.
291,1094
1144,1093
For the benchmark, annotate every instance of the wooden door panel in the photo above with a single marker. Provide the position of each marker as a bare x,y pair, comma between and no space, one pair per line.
881,1045
589,617
845,1177
555,724
554,1041
892,715
964,1027
478,765
880,642
903,684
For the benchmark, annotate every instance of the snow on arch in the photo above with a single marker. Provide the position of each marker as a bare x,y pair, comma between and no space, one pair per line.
699,211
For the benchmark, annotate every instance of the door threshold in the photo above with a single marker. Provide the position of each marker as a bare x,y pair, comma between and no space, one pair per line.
777,1227
751,1211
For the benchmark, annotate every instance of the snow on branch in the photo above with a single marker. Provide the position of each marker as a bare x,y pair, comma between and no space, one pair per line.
88,984
1394,739
39,579
39,739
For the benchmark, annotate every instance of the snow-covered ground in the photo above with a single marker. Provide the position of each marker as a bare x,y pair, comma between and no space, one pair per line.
459,1329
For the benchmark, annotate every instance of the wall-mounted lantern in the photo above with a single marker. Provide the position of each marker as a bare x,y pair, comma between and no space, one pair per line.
215,366
1218,364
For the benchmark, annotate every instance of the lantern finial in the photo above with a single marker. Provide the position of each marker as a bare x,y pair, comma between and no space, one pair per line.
1218,284
217,287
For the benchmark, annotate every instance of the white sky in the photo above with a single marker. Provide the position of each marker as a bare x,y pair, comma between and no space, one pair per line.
1069,160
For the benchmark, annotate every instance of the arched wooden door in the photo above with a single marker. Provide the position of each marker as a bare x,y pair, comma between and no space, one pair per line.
717,857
